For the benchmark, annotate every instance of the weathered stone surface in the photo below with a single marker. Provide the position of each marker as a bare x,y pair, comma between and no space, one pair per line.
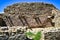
11,34
29,14
52,36
33,15
30,8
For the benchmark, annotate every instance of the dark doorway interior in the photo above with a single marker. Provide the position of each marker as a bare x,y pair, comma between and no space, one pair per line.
2,22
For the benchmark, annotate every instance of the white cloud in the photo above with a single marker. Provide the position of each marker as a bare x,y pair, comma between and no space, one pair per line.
1,12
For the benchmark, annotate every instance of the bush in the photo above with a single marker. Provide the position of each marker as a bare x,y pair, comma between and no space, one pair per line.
37,36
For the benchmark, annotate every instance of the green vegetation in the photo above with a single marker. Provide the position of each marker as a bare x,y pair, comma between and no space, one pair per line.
37,36
29,34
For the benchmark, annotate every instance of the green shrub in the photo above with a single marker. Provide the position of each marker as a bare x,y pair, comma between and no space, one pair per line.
37,36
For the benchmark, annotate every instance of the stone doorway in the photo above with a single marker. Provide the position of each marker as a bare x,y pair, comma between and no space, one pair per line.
2,22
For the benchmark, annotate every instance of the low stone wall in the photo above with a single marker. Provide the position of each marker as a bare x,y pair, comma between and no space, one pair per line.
12,29
12,33
50,33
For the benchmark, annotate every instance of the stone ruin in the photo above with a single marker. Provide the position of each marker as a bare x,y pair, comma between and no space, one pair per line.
28,14
33,15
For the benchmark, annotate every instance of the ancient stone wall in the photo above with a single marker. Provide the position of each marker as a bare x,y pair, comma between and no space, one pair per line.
29,14
23,17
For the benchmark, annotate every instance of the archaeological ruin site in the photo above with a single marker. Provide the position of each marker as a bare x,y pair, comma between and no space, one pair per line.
21,18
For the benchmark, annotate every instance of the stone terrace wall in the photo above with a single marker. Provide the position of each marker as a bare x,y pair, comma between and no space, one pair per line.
29,14
50,33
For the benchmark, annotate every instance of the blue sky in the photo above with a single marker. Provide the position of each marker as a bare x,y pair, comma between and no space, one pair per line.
5,3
